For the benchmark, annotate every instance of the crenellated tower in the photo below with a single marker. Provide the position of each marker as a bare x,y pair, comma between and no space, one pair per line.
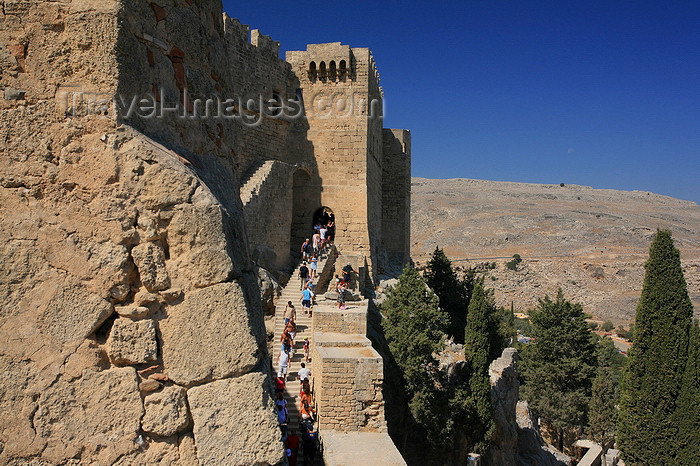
343,104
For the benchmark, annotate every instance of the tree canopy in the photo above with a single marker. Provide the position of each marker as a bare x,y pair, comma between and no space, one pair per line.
689,403
649,422
559,365
414,326
452,292
481,340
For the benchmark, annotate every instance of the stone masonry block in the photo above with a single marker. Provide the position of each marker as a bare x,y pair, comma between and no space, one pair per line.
132,342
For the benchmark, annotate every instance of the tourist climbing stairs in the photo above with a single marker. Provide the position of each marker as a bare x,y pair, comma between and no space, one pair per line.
292,292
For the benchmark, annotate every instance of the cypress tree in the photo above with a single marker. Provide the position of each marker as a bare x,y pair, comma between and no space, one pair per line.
414,327
602,413
689,404
648,428
479,340
559,365
442,279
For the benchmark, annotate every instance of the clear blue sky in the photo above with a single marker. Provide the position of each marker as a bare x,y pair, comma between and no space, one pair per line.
604,94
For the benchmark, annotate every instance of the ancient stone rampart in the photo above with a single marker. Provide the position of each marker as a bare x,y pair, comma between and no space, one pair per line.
348,383
267,190
396,196
125,261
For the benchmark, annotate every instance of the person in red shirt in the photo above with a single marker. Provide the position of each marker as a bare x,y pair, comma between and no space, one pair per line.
279,385
292,444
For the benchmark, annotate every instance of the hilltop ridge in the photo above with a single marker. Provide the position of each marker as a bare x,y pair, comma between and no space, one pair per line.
590,242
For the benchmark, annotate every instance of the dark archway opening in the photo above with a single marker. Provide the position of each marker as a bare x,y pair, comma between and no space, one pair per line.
324,216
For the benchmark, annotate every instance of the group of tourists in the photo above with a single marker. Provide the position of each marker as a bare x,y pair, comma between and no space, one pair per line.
307,441
307,414
308,272
312,248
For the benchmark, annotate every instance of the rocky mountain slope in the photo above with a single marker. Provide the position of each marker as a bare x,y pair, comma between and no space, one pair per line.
590,242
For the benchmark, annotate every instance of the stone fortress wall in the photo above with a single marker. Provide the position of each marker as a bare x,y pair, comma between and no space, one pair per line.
132,222
123,241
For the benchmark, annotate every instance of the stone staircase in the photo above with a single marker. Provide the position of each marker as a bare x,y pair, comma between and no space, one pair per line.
292,293
346,378
251,187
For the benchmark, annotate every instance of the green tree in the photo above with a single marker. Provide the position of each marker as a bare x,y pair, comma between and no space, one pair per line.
415,326
453,295
609,356
648,428
689,403
513,264
481,341
506,328
608,325
602,413
602,410
559,365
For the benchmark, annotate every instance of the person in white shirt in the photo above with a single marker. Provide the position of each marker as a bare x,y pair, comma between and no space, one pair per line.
323,231
283,365
304,373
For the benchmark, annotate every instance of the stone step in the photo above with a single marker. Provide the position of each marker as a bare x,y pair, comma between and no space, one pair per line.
291,292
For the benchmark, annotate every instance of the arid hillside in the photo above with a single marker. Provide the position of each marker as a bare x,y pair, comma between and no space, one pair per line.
590,242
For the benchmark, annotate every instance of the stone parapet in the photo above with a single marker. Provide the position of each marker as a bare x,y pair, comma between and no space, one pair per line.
348,388
360,449
348,321
339,339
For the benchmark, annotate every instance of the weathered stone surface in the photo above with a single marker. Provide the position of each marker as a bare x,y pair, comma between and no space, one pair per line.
198,246
269,290
150,385
73,313
532,449
386,283
207,336
166,412
89,355
159,376
145,298
96,416
132,312
14,94
187,450
505,389
161,451
87,197
360,448
171,295
347,294
150,261
132,342
231,432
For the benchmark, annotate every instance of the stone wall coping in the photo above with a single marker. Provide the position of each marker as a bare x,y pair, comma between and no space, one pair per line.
340,339
331,310
350,353
359,449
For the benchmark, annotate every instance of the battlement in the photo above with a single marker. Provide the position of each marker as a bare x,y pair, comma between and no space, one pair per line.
323,63
334,62
264,42
242,33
